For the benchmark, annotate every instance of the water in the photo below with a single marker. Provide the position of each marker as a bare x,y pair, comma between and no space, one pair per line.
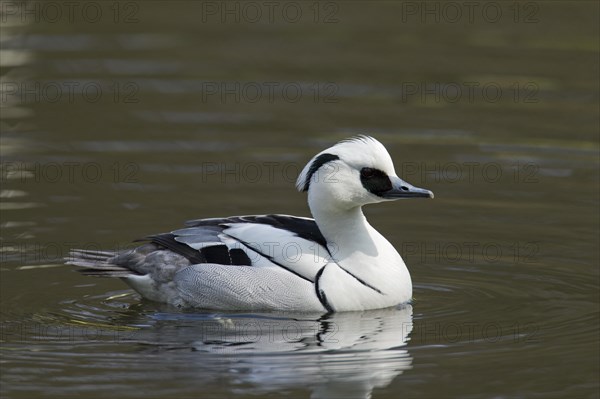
155,114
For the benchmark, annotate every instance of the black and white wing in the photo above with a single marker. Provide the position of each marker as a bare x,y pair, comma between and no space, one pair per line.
294,244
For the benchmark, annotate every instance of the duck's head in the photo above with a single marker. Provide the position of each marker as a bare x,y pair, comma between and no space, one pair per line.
354,172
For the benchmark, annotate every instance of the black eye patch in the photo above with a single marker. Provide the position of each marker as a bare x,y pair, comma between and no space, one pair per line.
375,181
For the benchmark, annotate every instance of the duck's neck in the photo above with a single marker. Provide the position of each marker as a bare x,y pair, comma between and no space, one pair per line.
346,230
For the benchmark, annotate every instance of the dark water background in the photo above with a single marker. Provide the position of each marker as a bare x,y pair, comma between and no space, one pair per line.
124,119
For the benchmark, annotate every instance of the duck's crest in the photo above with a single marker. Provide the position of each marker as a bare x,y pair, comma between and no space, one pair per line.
361,138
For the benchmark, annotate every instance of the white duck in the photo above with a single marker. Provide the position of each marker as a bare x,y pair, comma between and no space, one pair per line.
336,262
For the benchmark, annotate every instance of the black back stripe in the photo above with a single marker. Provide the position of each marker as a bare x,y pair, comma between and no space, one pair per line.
362,281
320,293
302,227
315,165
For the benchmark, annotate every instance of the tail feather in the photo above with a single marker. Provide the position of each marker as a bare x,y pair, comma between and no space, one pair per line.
97,263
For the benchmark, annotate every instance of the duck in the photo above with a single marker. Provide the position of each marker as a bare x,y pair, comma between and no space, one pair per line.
333,262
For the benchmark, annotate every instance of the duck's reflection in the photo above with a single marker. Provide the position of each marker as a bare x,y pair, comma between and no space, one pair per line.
337,355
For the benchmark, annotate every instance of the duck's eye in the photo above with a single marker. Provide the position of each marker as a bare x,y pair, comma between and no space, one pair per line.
375,181
367,173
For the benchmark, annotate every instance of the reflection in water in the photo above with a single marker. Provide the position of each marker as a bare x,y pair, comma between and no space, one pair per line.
338,355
